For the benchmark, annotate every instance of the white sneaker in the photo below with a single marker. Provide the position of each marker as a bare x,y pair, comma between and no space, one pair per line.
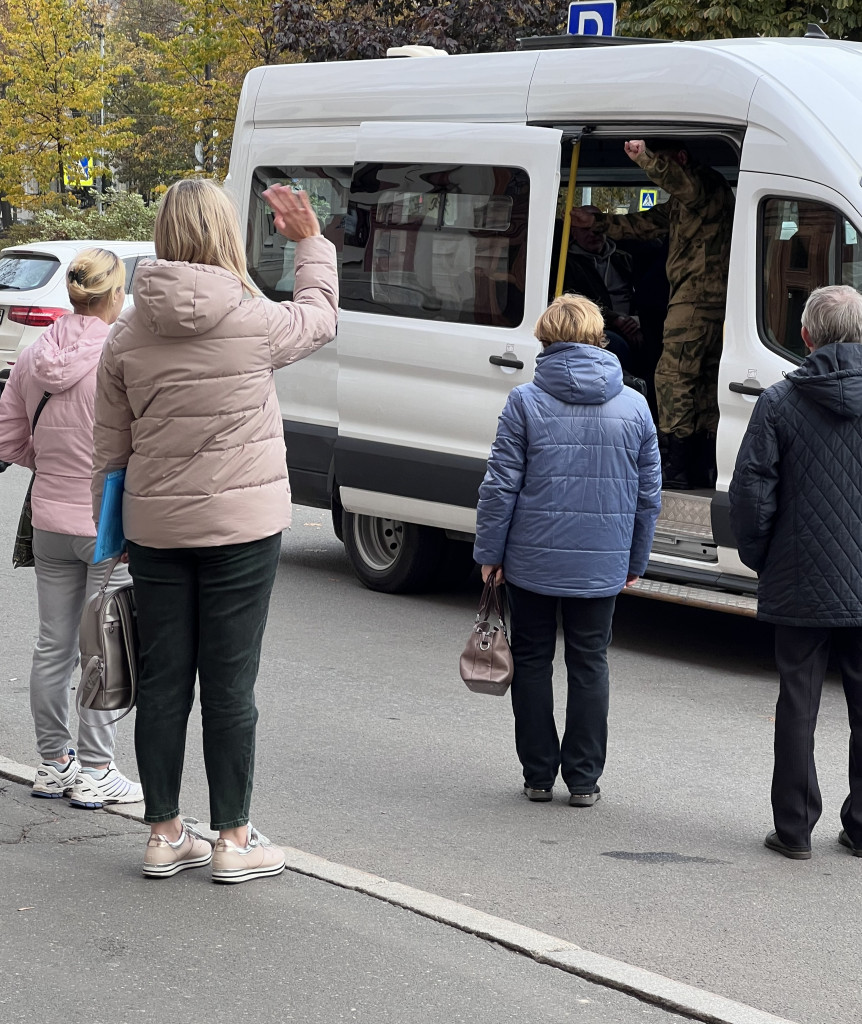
114,788
259,858
51,782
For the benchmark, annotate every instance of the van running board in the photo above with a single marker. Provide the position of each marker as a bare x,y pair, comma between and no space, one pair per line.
694,597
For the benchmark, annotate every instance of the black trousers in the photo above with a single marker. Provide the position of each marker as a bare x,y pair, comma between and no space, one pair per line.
201,612
802,655
580,758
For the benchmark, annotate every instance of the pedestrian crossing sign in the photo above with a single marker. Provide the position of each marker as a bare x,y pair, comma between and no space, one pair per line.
79,174
648,198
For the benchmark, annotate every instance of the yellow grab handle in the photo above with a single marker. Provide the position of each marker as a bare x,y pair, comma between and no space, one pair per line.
564,241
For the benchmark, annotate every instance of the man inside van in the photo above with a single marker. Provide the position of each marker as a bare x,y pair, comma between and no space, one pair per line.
796,515
697,220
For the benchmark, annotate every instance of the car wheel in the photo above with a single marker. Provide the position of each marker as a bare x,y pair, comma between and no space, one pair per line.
390,556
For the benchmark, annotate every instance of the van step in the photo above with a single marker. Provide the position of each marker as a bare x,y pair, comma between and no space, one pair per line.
694,597
685,514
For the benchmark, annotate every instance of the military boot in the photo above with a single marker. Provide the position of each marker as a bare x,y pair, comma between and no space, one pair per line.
675,463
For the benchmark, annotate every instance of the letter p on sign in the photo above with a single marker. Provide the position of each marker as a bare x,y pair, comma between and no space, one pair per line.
592,17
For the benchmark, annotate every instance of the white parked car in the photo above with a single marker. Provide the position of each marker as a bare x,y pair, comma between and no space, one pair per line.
33,288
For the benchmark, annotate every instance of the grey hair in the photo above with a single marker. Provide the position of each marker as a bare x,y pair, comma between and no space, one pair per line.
833,314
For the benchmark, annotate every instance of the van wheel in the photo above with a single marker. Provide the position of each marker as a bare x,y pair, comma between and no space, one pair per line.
391,556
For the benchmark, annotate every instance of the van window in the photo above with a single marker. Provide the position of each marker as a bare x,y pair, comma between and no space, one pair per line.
271,255
805,245
437,242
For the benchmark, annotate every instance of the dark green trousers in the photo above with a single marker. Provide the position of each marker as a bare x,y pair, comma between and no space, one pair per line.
201,612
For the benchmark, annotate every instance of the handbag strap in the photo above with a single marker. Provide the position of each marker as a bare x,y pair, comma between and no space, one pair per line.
43,401
491,602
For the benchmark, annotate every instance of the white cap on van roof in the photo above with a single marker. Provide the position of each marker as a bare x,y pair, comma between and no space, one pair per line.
415,50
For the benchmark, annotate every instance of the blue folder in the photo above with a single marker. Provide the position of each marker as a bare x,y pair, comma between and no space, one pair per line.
110,539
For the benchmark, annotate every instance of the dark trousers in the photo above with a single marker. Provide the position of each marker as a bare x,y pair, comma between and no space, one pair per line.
200,611
587,632
802,655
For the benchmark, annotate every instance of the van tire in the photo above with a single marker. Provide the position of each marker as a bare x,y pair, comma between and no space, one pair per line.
390,556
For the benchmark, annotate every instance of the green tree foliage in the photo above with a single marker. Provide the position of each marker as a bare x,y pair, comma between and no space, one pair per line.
351,30
124,216
198,70
717,19
52,84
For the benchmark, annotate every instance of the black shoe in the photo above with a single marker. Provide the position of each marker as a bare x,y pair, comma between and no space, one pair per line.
539,796
844,839
772,842
675,463
585,799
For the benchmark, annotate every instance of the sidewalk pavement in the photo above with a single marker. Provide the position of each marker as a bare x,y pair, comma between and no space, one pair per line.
86,939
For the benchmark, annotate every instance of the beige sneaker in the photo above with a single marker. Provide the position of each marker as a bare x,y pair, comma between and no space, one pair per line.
258,859
164,858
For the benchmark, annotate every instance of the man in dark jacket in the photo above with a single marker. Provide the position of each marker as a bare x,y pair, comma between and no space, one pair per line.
796,511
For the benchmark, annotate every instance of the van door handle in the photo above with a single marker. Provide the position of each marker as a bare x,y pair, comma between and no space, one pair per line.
746,389
510,361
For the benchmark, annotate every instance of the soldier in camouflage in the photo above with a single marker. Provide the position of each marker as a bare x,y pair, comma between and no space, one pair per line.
697,221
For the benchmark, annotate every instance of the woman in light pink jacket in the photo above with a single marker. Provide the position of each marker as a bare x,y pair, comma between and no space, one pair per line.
58,372
186,402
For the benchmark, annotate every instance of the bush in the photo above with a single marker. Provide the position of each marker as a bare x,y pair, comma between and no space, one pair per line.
124,217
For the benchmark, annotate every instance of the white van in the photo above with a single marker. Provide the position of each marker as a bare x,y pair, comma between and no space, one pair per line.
439,180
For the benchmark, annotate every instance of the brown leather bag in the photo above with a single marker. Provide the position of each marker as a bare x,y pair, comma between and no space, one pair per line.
486,663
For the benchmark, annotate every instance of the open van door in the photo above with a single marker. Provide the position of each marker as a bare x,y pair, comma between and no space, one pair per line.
445,270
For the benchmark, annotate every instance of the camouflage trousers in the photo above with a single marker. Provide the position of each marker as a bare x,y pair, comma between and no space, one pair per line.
686,378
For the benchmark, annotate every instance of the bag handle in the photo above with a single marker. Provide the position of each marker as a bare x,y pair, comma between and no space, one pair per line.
38,411
491,603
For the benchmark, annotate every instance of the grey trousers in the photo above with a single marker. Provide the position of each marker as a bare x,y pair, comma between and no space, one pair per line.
64,580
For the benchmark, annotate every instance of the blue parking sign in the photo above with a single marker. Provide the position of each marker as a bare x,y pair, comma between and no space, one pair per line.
592,17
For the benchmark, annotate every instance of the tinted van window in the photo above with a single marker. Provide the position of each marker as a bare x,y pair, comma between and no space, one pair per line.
805,245
26,271
271,255
437,242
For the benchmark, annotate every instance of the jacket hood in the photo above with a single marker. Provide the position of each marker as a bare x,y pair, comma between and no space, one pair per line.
578,374
179,300
832,376
68,351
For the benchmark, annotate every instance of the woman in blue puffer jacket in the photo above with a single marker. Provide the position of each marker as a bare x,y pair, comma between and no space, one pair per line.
567,512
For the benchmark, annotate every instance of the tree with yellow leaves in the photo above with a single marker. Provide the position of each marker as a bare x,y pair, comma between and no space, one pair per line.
52,85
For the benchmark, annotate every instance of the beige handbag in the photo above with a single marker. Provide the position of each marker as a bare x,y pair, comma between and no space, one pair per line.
486,663
109,649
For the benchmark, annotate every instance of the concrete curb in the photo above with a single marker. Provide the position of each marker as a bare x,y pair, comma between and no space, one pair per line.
676,997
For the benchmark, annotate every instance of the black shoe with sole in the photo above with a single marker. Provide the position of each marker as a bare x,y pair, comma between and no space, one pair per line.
844,839
539,796
772,842
585,799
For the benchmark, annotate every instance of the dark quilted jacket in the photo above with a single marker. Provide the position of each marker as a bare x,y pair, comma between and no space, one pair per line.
796,493
570,500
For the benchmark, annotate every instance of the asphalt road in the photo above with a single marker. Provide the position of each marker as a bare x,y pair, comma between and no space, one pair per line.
371,752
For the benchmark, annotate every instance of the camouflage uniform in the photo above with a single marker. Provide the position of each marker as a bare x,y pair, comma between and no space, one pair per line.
698,220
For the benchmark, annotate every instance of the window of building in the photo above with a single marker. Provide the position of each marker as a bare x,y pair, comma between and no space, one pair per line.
437,242
271,255
805,245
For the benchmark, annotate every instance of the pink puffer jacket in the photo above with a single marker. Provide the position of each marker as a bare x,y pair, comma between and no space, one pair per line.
62,361
186,399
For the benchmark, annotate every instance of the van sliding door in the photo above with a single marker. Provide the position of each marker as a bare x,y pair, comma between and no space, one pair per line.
446,267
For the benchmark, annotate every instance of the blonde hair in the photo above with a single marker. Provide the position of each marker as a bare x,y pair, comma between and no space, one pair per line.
571,318
197,223
93,276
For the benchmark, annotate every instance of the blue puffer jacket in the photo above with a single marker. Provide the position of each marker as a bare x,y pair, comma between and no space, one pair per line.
570,500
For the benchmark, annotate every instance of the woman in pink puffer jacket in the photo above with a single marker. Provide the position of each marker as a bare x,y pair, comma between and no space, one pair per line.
186,403
58,373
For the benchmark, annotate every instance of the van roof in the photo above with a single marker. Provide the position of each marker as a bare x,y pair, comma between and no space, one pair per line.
710,80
